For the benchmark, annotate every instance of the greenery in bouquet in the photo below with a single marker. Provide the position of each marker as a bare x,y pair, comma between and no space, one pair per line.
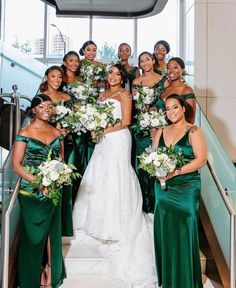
94,117
144,97
59,115
53,175
83,92
161,162
149,120
91,72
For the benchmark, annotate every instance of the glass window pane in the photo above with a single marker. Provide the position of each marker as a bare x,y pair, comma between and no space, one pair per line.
19,24
65,34
163,26
108,34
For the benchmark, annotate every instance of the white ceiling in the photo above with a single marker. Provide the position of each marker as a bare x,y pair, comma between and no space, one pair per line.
112,8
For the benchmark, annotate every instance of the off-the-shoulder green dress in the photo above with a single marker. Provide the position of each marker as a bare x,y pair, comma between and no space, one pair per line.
40,218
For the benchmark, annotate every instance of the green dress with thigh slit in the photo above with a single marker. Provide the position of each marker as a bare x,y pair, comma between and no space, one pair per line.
176,226
40,218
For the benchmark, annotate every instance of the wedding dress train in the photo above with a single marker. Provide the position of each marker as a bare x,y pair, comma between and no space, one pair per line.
109,208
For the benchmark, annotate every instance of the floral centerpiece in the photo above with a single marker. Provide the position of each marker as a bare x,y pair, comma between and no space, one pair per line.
161,162
149,120
53,174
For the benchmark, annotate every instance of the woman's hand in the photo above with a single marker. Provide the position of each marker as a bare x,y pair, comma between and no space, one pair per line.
45,191
153,133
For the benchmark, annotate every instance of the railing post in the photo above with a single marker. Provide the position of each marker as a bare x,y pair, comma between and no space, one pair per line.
17,107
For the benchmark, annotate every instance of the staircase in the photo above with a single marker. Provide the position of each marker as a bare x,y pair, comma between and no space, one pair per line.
87,268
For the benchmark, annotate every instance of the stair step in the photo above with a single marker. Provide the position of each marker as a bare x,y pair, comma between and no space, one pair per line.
82,256
87,268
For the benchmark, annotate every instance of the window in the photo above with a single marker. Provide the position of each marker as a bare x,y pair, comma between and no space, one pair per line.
19,24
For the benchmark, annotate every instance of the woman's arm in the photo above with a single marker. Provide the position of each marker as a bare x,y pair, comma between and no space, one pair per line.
156,138
192,103
126,108
17,159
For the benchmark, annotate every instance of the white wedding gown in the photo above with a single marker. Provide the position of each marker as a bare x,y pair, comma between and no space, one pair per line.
109,208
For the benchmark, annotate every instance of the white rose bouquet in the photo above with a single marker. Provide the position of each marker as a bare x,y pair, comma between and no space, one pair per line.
59,115
53,174
91,72
144,97
83,92
161,162
148,120
94,117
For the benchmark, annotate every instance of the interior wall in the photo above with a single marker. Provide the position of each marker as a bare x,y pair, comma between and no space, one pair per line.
210,43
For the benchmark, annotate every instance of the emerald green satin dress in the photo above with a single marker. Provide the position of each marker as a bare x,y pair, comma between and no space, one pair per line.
140,142
40,218
176,226
74,153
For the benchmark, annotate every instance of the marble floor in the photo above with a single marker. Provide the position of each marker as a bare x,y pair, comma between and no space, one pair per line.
87,268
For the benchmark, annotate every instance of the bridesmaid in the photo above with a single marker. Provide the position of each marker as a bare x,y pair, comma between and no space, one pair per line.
40,218
161,49
177,208
71,64
124,52
175,70
152,80
50,87
89,51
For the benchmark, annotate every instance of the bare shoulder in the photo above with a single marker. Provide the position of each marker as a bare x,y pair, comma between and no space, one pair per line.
195,132
187,90
138,80
125,94
25,131
56,132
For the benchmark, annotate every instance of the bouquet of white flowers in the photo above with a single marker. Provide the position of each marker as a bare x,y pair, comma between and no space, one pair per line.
144,97
149,120
91,72
94,117
59,115
83,92
161,162
53,174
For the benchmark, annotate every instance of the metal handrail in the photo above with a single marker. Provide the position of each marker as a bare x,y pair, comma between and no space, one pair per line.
14,102
232,223
7,235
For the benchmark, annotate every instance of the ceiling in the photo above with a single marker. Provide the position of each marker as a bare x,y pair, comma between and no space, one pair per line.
108,8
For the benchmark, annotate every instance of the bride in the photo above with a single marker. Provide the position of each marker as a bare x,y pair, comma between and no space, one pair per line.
109,202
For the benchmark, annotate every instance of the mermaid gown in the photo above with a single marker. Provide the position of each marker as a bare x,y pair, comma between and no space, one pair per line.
40,218
109,208
176,226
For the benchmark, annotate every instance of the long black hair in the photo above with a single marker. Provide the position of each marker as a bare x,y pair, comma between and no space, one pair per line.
44,85
183,103
123,73
74,53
